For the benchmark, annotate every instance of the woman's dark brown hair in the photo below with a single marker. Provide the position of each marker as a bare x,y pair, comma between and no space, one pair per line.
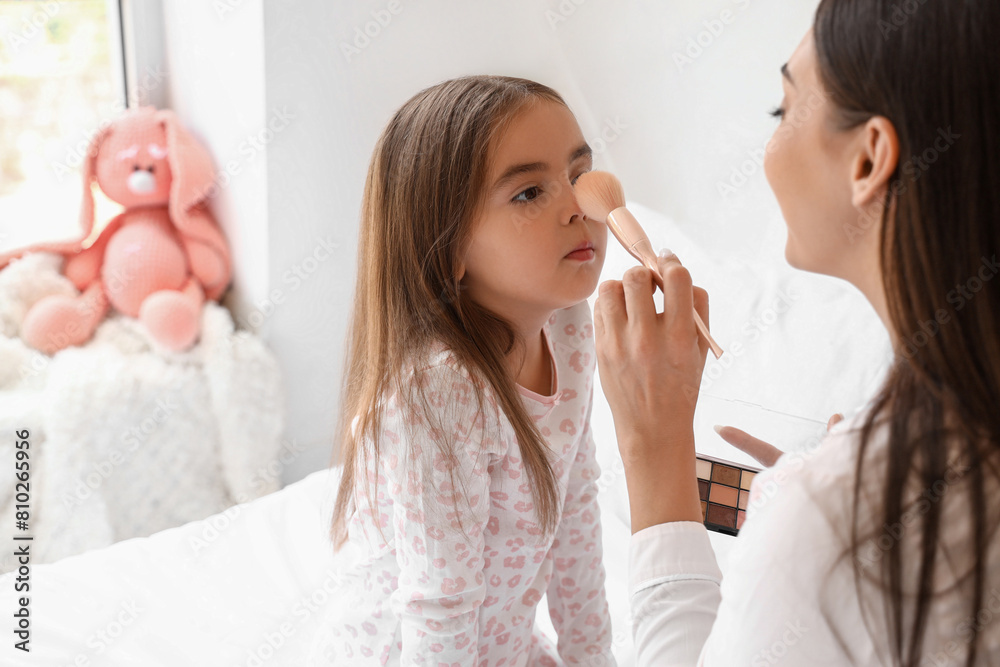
932,68
425,187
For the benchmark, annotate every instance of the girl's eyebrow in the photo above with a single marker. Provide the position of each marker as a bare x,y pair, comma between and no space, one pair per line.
512,172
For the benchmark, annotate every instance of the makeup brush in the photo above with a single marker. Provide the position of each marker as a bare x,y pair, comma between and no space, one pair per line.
602,198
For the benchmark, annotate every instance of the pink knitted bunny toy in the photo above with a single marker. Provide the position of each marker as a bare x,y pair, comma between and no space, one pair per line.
159,259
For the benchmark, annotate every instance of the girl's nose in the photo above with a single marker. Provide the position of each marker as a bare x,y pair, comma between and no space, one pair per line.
575,211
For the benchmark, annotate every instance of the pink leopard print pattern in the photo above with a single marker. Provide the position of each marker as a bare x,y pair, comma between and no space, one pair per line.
435,595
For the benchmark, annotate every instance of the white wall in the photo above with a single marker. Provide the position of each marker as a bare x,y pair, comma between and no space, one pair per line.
672,96
679,130
215,65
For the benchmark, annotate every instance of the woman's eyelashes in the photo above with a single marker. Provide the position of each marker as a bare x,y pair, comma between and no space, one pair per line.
777,112
537,192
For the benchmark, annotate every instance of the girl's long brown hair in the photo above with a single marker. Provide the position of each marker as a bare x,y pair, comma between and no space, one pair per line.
425,186
932,69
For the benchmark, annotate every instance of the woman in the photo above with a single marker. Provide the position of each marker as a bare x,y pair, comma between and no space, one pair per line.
881,545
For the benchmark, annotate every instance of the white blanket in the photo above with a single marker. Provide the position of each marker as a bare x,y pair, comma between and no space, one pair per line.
127,439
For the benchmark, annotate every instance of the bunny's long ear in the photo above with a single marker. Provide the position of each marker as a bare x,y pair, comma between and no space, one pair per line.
89,174
191,169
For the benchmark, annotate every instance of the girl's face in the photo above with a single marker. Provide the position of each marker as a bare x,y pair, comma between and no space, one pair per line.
521,261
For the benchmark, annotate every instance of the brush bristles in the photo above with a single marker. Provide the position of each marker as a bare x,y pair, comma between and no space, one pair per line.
599,193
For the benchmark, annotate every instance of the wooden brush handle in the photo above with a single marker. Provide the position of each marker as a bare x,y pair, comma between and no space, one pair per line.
702,329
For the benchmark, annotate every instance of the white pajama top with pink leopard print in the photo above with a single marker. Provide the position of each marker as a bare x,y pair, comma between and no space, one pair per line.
460,587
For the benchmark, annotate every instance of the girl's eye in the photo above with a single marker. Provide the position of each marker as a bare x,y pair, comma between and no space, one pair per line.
578,177
778,112
534,189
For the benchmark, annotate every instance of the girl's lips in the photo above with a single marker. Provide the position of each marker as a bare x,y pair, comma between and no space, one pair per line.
581,255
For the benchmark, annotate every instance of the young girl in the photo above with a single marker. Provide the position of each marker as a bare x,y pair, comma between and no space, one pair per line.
468,488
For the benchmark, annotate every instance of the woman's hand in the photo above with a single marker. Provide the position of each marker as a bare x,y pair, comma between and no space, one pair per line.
650,367
767,454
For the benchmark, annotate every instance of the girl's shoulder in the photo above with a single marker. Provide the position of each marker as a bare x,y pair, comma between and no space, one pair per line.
438,362
438,372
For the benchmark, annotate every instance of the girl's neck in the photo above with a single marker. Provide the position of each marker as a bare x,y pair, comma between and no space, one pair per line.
531,366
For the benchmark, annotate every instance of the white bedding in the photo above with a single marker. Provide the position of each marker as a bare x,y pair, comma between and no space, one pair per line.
237,588
245,587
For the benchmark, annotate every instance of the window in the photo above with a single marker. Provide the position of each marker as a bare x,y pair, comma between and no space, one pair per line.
61,78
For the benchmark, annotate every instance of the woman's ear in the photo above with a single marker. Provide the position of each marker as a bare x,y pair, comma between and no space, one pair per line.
875,160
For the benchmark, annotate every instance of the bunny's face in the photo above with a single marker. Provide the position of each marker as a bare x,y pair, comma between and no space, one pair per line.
132,165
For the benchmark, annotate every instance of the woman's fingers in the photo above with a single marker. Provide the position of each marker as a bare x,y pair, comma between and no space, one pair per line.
609,315
678,293
766,453
639,288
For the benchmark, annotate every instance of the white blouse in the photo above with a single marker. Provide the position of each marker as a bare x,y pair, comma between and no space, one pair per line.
788,596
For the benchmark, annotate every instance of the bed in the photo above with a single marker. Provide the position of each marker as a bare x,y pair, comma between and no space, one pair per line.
248,586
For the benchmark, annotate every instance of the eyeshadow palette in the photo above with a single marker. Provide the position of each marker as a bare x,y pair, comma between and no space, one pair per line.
724,489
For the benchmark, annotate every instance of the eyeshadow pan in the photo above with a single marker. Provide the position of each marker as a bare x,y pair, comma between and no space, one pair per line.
721,516
748,476
703,489
724,495
725,474
704,469
740,518
744,499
